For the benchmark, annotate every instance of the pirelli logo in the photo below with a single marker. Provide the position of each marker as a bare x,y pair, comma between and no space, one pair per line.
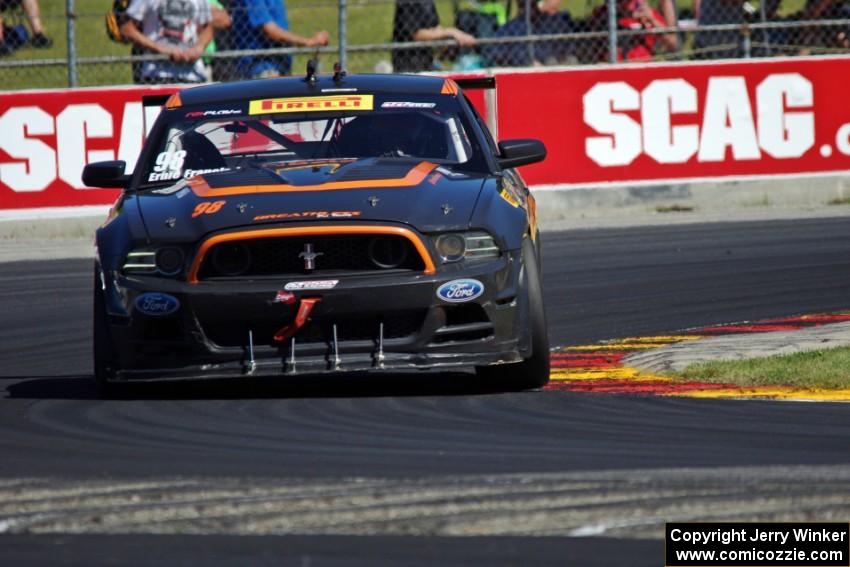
311,104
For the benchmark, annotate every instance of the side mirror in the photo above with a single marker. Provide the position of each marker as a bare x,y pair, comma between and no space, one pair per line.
106,174
514,153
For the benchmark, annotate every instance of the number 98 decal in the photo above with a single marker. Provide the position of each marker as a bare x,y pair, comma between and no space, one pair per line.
207,208
168,165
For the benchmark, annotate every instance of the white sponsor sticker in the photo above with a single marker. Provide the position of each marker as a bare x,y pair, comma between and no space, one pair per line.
313,284
460,150
168,165
408,105
199,113
193,172
449,173
172,189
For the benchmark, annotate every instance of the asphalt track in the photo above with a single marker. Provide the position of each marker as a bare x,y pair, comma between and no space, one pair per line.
391,470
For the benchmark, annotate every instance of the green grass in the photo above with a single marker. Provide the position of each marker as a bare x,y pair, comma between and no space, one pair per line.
840,201
827,368
369,21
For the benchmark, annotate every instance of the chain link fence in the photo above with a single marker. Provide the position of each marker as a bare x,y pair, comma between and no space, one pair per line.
60,43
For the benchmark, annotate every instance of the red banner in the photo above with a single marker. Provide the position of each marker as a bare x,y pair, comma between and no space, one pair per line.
612,124
679,121
47,137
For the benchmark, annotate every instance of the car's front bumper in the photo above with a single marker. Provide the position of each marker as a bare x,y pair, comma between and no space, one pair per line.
225,328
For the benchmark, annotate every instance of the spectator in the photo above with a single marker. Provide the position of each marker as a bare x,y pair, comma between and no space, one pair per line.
545,19
830,37
766,42
668,10
718,44
33,13
178,28
816,9
263,24
635,15
417,20
220,22
220,18
763,42
481,18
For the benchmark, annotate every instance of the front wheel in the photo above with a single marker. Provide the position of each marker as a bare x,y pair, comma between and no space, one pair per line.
102,351
533,372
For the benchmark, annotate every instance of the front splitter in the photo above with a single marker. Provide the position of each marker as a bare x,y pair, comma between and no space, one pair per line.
331,364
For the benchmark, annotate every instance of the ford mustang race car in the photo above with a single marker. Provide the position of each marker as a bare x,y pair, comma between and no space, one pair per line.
320,224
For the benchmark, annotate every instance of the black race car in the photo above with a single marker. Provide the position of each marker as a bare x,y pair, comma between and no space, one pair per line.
320,224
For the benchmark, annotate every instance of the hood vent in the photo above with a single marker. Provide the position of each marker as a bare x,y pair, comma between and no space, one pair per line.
377,170
242,177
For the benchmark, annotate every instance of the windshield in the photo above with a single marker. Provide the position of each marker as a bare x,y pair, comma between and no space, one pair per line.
258,132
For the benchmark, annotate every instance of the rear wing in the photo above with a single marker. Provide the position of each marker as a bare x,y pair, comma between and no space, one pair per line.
155,99
474,83
487,84
151,106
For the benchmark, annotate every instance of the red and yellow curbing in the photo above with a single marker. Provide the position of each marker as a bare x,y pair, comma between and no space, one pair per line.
598,368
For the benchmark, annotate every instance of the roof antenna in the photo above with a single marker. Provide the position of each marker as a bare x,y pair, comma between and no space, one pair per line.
339,73
312,65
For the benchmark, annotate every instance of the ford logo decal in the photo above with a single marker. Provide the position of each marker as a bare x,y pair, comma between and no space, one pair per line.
458,291
157,304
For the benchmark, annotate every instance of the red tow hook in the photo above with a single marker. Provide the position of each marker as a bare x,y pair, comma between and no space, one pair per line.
304,309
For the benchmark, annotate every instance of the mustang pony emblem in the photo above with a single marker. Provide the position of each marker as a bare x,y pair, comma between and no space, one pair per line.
309,256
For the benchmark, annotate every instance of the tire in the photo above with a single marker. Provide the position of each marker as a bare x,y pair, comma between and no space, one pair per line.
102,351
533,372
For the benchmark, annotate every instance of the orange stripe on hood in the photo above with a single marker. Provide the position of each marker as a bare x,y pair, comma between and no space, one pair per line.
414,177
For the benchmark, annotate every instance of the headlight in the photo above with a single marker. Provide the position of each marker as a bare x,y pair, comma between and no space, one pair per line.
167,261
454,247
451,247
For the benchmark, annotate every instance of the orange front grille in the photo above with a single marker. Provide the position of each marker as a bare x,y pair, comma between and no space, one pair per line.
341,231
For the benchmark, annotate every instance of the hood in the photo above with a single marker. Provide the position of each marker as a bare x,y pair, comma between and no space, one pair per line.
426,196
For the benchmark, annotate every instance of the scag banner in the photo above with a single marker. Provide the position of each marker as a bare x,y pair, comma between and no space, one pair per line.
607,124
634,123
47,137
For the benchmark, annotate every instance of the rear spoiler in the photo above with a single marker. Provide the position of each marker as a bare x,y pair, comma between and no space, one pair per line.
152,105
476,83
155,99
